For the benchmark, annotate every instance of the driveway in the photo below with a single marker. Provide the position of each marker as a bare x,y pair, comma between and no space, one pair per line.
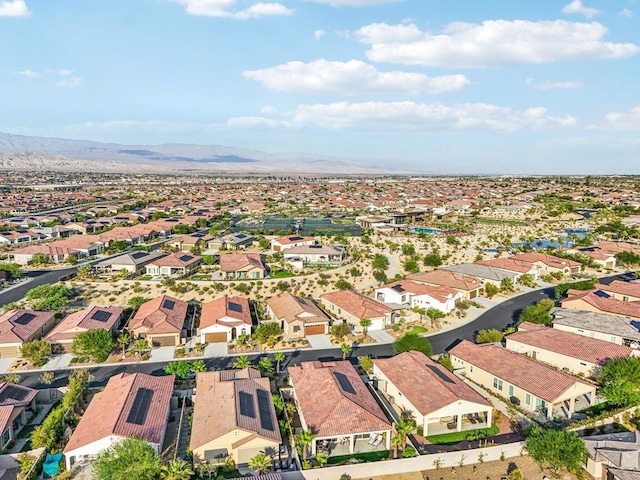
5,363
319,341
58,361
380,336
162,354
218,349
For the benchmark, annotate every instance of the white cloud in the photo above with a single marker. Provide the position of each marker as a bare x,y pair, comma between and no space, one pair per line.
70,82
409,115
547,85
492,43
14,8
225,9
65,73
626,121
354,3
350,78
625,12
319,34
27,73
578,8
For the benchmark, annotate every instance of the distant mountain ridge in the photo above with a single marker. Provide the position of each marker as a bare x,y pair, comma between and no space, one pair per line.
42,153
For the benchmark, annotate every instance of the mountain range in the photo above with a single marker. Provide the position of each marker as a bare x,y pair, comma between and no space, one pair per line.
19,152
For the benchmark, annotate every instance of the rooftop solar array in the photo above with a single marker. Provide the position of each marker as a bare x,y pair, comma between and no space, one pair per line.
247,408
398,288
440,374
25,318
138,255
241,235
168,304
186,258
235,307
266,419
140,407
295,239
101,316
344,382
13,393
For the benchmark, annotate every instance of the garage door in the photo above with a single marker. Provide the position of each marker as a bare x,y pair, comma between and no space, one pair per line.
215,337
8,352
314,330
164,341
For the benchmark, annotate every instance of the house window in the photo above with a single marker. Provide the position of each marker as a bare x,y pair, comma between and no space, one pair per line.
296,329
625,298
511,390
592,334
497,383
339,311
583,364
404,298
612,339
527,399
6,436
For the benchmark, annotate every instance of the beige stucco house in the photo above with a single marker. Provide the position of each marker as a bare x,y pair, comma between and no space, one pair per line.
297,316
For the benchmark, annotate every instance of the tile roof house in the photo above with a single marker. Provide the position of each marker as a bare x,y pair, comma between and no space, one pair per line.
625,291
21,326
232,241
438,400
486,273
568,351
161,321
24,256
233,417
224,319
535,386
335,404
132,262
242,266
290,241
600,302
17,402
512,265
131,405
297,316
614,456
419,295
352,307
468,286
107,318
176,264
610,328
549,263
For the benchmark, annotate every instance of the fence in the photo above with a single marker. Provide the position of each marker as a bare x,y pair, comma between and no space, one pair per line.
417,464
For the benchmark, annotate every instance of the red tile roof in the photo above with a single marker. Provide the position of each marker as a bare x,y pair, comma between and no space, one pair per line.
510,264
437,292
569,344
549,260
291,308
17,326
232,262
178,259
83,320
327,408
425,383
214,311
602,304
622,288
156,317
540,380
8,399
356,304
108,412
447,279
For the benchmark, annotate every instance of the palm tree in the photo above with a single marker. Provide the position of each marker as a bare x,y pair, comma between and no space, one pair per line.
322,459
198,366
123,341
345,348
404,427
305,437
242,362
279,357
396,441
265,365
365,323
140,346
176,470
208,469
261,463
278,402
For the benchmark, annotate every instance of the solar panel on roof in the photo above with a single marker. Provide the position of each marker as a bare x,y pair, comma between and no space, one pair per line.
247,408
168,304
241,236
235,307
101,316
140,407
397,288
295,239
137,255
315,246
344,382
186,258
266,419
13,393
25,318
601,294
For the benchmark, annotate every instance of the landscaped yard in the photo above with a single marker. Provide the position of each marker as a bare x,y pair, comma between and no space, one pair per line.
360,457
457,437
418,329
281,274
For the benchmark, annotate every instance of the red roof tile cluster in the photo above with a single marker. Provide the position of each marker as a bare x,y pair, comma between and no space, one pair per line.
549,260
234,308
87,319
334,400
178,259
602,304
437,292
17,326
447,279
509,264
233,262
356,304
569,344
156,317
622,288
425,383
110,411
290,307
540,380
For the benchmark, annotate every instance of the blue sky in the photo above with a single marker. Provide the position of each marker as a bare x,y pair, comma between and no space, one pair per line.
456,86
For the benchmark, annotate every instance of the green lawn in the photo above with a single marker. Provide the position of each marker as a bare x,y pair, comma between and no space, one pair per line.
457,437
281,274
361,457
417,330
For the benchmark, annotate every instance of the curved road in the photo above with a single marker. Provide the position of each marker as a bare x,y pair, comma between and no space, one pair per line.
498,317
